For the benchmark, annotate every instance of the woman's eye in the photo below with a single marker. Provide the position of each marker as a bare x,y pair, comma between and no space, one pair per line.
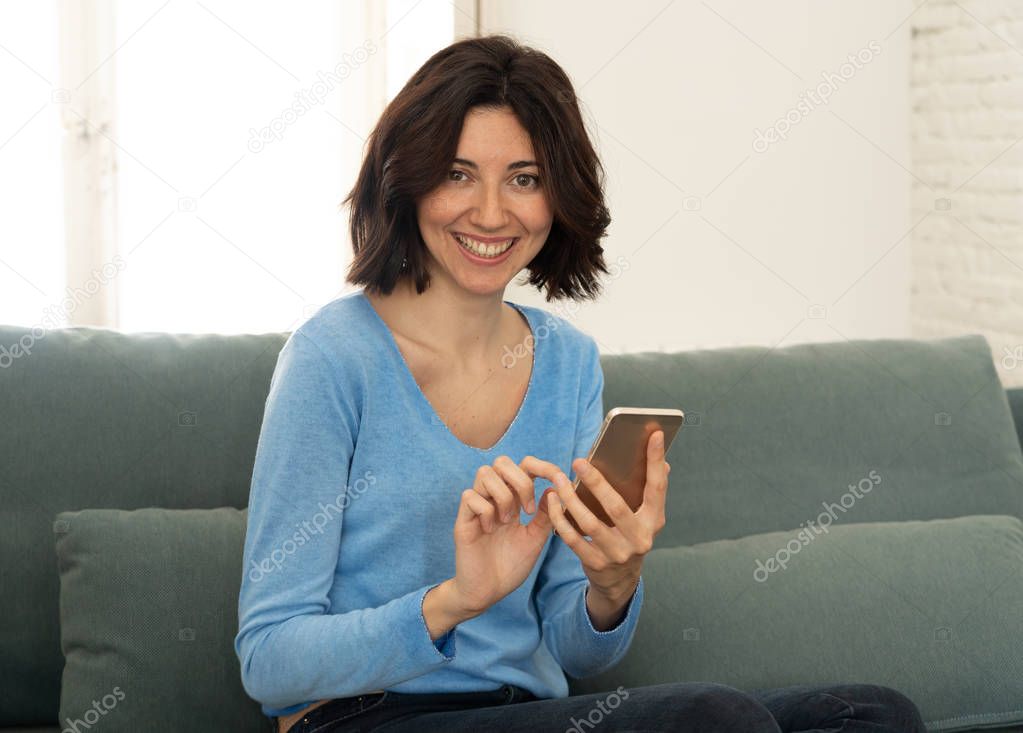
530,181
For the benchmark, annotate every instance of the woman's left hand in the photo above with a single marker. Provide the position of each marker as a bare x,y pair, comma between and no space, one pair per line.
612,560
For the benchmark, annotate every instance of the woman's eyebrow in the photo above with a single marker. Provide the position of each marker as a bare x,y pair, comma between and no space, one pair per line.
511,166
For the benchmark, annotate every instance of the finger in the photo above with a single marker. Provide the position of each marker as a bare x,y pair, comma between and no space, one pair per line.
656,488
587,521
590,556
617,508
535,467
472,506
541,521
518,481
583,517
489,484
466,521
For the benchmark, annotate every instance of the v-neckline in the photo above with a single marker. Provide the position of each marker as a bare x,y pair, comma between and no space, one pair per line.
410,378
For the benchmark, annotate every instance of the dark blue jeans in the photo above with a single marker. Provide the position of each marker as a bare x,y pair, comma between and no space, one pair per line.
683,707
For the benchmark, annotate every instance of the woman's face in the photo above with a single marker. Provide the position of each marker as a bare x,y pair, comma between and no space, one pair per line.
492,196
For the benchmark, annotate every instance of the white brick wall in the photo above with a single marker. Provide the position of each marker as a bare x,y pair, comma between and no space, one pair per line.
967,147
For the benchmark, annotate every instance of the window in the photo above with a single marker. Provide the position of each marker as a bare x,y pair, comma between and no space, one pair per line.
207,146
31,182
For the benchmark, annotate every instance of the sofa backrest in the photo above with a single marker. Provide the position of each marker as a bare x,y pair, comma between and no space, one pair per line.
865,430
1015,397
101,419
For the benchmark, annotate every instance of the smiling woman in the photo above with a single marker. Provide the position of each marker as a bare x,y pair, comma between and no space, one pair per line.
431,604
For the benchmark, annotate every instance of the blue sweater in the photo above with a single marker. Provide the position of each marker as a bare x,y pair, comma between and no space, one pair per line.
354,493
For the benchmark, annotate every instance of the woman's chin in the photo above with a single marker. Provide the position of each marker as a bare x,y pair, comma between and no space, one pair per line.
482,283
483,286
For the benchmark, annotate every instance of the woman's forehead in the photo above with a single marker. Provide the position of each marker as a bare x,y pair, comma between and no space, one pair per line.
494,138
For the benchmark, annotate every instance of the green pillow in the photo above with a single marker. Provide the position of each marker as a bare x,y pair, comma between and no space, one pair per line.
931,608
148,614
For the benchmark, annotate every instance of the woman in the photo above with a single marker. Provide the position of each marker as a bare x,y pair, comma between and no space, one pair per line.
358,611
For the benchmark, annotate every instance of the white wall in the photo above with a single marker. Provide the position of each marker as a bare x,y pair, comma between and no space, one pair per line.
673,92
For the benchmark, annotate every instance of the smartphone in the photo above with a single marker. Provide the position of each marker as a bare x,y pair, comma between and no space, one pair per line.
619,453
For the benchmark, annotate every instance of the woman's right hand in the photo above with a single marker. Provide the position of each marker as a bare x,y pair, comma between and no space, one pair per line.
494,551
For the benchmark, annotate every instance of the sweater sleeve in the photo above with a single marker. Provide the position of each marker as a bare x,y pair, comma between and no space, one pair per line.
561,587
292,649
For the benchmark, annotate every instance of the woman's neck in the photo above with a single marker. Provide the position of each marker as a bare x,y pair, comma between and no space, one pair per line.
445,319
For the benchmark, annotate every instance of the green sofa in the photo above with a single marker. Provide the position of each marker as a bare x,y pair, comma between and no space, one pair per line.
846,511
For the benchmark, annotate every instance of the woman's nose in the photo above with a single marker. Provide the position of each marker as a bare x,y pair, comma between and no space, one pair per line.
490,213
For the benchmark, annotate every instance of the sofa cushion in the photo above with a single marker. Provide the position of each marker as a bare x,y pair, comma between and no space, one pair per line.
148,613
930,608
772,434
109,420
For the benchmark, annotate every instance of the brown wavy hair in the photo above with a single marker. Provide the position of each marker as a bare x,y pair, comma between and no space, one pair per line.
411,149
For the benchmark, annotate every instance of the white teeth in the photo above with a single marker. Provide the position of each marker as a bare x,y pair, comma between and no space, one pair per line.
484,250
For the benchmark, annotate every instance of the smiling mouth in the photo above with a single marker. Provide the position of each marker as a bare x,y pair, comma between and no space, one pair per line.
484,250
